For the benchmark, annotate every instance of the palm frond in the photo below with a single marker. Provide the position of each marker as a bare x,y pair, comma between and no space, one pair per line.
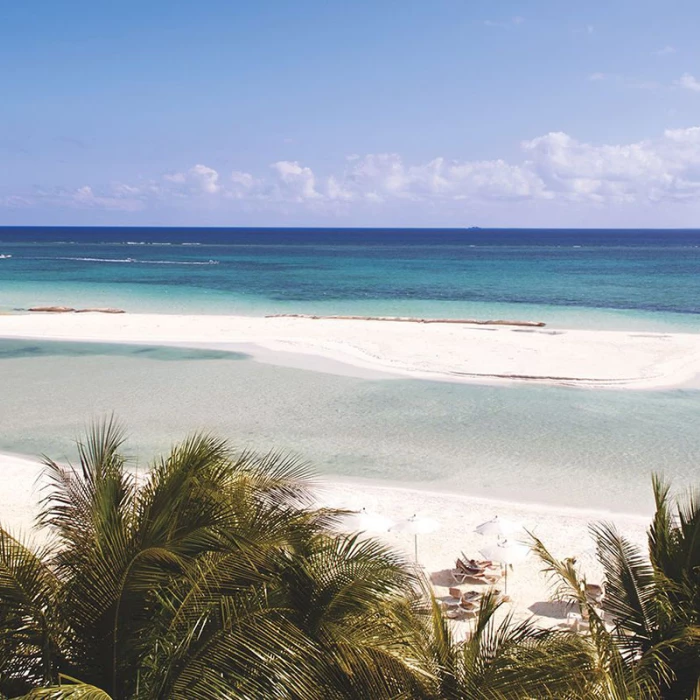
629,582
29,635
72,690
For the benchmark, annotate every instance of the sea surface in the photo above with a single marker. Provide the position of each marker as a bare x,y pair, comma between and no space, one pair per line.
636,280
564,446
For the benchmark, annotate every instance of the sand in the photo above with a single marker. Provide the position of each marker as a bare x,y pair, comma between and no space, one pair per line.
448,352
564,530
599,359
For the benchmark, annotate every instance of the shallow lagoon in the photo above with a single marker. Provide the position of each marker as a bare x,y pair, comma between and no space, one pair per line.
528,443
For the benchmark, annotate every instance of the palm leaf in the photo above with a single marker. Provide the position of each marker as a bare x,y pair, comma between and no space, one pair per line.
29,635
73,690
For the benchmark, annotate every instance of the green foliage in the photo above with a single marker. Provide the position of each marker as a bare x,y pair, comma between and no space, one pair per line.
72,690
505,660
651,646
214,576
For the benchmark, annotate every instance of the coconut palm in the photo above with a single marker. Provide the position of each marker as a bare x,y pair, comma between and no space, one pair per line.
504,660
214,578
652,601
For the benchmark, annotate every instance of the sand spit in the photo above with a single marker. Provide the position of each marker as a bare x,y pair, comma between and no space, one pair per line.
444,352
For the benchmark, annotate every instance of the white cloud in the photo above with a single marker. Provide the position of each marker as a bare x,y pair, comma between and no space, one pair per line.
175,177
243,185
649,170
336,191
15,201
295,182
552,169
120,197
207,178
385,176
665,51
688,82
624,81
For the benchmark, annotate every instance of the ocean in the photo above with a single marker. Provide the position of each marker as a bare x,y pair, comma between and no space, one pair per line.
637,280
567,446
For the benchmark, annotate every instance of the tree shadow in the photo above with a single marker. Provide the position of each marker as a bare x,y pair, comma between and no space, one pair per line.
556,609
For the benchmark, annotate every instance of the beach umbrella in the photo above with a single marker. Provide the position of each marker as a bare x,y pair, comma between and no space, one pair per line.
505,553
500,527
362,521
416,525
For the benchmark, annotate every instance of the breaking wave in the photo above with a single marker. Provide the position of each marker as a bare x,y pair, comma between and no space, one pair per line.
133,261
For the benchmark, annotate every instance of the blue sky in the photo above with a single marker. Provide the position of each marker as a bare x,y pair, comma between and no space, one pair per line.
363,113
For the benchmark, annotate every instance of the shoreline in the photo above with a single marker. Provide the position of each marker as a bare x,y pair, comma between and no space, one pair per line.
480,354
563,529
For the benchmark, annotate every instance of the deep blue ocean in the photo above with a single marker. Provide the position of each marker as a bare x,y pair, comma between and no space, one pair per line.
573,278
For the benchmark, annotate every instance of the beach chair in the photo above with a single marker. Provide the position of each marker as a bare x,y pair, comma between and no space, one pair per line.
465,596
463,610
472,565
463,571
484,579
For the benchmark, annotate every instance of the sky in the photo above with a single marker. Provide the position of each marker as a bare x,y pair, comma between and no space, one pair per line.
529,113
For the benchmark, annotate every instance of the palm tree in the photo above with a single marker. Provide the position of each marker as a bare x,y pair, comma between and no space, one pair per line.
216,577
653,601
213,578
504,660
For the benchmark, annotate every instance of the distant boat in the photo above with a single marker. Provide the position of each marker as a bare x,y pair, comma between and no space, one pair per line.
5,257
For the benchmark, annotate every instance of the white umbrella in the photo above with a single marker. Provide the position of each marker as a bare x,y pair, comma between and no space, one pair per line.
505,553
501,527
362,521
416,525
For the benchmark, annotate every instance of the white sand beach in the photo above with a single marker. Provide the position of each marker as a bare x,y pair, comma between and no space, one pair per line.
448,352
564,530
451,352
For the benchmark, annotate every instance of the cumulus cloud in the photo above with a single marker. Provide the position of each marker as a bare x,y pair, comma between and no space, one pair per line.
552,168
650,170
688,82
121,197
295,182
385,176
207,178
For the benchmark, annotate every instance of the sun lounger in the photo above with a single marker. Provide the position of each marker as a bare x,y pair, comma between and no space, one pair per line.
460,613
469,596
461,610
463,573
472,566
484,579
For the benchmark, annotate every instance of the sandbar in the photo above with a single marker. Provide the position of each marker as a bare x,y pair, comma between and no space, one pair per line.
445,352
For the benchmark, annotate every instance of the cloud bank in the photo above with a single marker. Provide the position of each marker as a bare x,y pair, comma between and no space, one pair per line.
553,169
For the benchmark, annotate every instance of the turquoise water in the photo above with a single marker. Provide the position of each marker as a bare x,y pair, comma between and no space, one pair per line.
549,444
633,280
539,444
